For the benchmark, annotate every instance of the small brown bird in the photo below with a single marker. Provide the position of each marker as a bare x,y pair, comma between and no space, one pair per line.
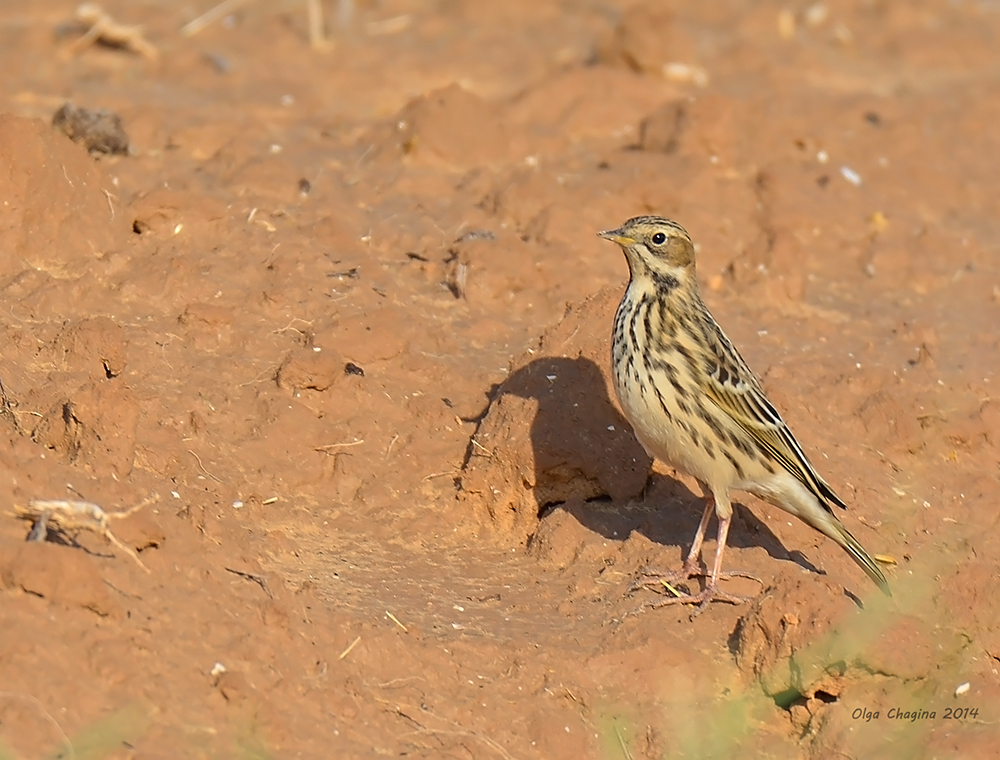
696,405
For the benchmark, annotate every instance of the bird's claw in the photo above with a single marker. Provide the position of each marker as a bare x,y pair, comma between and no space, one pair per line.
700,601
664,583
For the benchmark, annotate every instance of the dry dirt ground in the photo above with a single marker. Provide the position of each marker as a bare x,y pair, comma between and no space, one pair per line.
338,324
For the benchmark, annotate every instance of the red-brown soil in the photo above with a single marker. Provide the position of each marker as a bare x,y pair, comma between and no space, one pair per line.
345,313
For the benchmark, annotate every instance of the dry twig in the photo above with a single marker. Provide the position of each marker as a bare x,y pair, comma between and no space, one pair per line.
106,30
70,516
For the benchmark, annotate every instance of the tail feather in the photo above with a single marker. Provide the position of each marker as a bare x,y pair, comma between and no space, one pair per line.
790,494
864,560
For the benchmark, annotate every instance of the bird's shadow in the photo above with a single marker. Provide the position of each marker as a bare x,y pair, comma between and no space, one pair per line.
589,464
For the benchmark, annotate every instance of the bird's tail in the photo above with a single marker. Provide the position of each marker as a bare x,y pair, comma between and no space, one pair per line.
790,494
863,558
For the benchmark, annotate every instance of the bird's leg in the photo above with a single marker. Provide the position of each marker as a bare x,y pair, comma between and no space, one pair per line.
717,571
690,569
711,592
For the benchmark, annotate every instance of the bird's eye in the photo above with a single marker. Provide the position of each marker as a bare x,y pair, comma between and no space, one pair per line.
659,238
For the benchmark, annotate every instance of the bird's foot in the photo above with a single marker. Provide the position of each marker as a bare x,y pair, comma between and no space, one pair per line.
710,593
664,581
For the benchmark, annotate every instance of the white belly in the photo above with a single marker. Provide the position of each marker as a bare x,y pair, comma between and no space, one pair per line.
659,436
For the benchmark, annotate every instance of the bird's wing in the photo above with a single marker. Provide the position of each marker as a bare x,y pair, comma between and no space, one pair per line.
736,390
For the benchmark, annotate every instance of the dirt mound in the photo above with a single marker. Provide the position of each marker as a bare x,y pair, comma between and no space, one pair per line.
552,433
60,210
451,128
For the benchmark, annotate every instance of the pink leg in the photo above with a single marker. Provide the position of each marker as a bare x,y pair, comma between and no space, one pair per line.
711,592
691,563
690,569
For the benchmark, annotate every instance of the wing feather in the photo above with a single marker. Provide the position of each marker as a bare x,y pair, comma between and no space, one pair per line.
735,389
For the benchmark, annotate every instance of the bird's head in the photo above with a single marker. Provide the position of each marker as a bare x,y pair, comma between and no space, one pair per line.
657,250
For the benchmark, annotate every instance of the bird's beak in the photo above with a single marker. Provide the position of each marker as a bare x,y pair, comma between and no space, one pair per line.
616,236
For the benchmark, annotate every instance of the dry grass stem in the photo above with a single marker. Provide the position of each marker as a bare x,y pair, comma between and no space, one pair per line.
210,16
349,648
198,459
395,620
328,446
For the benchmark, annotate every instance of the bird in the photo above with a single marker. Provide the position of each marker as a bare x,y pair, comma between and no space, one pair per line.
695,404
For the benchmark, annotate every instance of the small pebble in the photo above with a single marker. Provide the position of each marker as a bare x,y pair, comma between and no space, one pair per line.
220,63
850,175
100,131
